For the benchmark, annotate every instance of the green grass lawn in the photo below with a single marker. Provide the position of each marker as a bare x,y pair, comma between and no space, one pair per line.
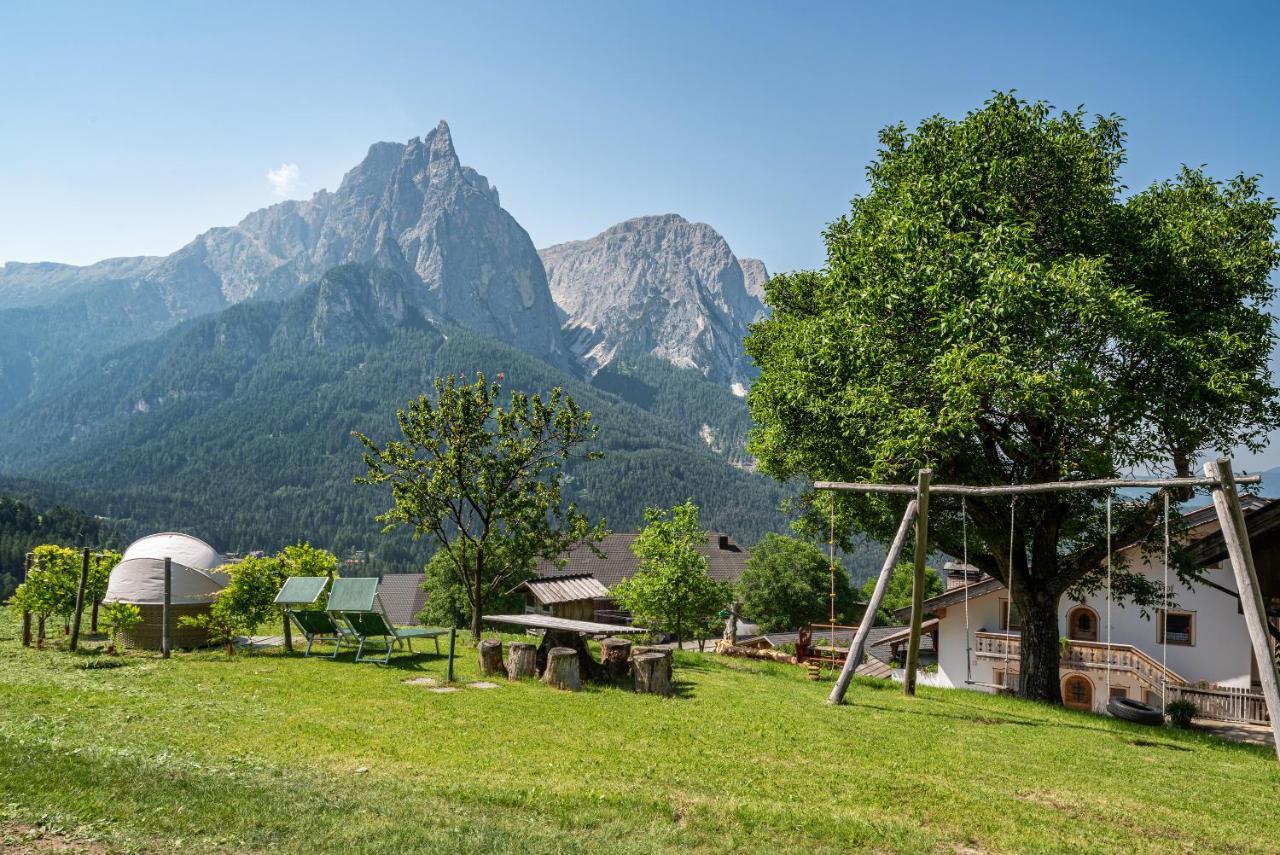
277,752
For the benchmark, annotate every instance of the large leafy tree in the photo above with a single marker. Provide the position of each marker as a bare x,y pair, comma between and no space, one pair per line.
995,309
484,481
673,590
787,583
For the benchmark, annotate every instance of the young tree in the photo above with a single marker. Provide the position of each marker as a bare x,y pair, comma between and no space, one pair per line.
120,618
787,584
995,310
101,563
897,594
672,591
484,481
247,601
50,587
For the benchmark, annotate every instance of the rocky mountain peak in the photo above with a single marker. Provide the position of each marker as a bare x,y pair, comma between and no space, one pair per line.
659,285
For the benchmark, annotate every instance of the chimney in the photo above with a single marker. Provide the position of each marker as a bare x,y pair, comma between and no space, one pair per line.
724,541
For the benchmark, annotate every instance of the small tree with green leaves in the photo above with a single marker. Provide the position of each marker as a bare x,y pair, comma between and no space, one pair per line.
484,481
897,593
119,618
672,591
101,564
50,587
787,584
247,601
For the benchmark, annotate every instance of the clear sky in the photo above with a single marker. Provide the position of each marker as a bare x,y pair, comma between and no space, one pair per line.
127,129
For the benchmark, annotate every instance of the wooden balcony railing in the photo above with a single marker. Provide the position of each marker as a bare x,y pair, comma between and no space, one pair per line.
1083,655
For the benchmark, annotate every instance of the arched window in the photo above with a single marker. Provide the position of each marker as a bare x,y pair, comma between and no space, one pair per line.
1077,692
1082,624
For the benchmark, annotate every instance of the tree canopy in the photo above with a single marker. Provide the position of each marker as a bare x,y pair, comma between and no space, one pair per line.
485,481
995,309
787,584
897,593
672,591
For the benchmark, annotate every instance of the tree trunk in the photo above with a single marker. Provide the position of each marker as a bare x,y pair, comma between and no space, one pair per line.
491,657
288,634
652,673
562,669
1039,660
616,653
522,660
477,597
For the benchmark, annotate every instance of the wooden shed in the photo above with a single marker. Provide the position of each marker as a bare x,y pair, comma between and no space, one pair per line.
572,596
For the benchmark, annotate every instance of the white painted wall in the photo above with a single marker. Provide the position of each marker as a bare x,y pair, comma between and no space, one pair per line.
1221,653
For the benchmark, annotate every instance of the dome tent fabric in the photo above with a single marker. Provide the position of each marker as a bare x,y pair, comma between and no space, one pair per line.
139,577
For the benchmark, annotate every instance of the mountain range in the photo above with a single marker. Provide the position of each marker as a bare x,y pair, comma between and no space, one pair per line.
215,389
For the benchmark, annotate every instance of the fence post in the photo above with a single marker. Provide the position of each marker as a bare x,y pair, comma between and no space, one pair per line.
84,581
26,613
166,640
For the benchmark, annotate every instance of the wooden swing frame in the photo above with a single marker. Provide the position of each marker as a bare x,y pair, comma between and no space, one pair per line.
1218,476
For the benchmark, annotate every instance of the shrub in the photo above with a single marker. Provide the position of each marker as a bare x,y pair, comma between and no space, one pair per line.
1180,713
119,618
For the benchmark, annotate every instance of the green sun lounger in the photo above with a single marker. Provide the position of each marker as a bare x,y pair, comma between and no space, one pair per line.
314,625
356,602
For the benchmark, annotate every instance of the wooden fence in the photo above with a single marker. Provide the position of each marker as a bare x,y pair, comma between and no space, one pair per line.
1224,703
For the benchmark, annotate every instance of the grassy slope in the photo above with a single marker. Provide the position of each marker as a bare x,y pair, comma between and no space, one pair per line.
262,752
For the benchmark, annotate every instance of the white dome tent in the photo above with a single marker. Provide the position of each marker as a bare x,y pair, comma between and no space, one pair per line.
194,583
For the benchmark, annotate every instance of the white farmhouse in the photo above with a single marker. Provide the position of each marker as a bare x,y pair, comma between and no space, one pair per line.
1200,642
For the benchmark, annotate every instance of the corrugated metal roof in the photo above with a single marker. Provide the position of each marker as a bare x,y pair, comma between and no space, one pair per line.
565,589
725,559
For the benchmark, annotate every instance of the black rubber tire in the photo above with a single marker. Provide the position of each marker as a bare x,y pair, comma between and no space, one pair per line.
1135,711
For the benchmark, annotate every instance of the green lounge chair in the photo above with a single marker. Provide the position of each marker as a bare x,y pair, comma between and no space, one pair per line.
314,625
356,602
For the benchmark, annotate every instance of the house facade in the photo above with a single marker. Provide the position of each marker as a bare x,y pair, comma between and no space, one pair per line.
1199,641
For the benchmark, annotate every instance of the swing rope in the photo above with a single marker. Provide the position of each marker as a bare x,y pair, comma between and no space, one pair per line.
831,567
1108,596
968,638
1008,614
1164,633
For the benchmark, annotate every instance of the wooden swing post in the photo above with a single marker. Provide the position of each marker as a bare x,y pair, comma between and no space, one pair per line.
854,658
1236,537
917,581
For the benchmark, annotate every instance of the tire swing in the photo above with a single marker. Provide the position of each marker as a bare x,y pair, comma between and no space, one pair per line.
1127,708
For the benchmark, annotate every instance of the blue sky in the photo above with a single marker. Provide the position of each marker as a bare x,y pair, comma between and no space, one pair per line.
127,129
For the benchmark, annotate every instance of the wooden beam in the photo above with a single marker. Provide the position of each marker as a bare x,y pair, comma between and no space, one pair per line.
84,582
1021,489
1227,503
917,582
854,657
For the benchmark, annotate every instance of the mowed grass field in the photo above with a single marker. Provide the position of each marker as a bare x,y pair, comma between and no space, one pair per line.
275,752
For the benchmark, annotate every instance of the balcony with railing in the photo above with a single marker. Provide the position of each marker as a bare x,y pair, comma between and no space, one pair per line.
1081,656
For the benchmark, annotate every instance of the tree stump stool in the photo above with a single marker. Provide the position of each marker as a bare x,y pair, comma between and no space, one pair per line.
616,653
562,669
641,648
491,657
652,672
588,667
522,660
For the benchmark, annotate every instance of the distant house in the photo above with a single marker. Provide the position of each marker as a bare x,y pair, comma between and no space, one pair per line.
725,562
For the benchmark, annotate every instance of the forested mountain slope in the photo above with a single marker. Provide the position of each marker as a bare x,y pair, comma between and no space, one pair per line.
236,426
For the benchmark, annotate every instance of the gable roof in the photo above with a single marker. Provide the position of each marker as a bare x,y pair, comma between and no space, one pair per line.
725,559
564,589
